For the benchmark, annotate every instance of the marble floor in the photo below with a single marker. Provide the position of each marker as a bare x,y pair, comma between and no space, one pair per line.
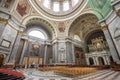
101,75
33,74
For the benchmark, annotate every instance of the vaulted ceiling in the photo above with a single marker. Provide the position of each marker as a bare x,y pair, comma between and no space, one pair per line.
84,25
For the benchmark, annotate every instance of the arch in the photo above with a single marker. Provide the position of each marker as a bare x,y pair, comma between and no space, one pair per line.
88,11
101,61
44,22
97,33
91,61
78,23
40,25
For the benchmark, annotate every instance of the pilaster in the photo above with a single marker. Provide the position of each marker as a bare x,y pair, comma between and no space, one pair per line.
15,48
112,47
105,60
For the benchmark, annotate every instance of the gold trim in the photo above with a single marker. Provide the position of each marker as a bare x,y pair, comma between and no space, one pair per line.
104,28
118,12
20,32
4,21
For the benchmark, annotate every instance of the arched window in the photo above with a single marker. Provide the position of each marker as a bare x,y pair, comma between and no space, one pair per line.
76,37
38,34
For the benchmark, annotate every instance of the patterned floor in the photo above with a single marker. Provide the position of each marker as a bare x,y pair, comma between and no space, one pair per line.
32,74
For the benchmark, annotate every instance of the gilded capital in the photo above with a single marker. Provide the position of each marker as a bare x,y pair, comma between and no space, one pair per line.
4,21
20,32
118,12
104,28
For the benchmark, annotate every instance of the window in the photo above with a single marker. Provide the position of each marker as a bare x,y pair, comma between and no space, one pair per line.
46,3
37,34
76,37
56,7
66,5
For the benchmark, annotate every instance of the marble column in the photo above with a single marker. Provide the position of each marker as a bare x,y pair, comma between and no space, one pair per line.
73,54
96,58
15,48
105,60
3,23
45,54
112,48
24,50
69,52
108,60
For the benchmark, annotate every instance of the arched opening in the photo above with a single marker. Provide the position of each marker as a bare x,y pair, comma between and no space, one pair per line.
84,25
91,61
101,61
38,34
1,59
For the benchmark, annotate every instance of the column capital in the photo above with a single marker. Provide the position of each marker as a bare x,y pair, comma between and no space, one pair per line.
103,24
4,21
118,12
104,28
20,32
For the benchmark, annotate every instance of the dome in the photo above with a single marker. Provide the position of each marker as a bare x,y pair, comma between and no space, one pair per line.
58,9
59,5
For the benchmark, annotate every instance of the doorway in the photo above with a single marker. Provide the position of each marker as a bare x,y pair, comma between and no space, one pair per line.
101,61
91,61
1,59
